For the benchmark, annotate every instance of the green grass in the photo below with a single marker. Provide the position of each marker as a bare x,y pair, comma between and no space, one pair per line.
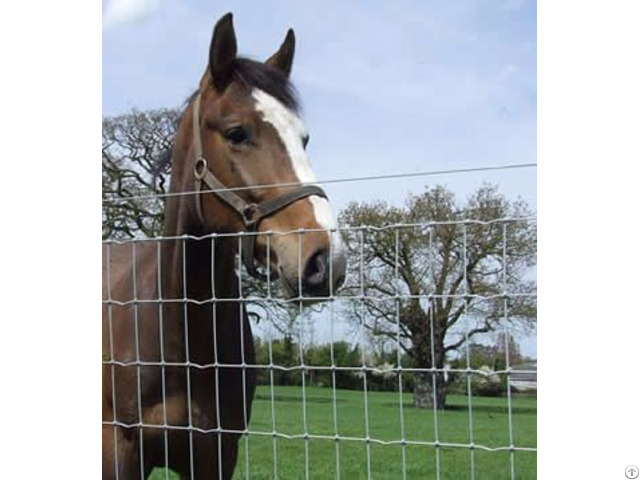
490,429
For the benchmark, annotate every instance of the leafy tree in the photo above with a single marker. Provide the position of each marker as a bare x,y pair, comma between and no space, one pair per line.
344,355
431,275
283,353
131,146
515,357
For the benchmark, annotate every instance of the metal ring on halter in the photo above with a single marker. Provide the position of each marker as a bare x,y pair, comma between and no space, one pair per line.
249,215
200,168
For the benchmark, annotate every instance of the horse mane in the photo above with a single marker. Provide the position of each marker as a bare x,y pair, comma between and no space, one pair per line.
248,74
251,74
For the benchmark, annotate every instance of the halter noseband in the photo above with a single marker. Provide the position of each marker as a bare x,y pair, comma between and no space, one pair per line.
252,214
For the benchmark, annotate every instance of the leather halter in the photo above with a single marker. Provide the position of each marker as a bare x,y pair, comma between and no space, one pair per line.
251,213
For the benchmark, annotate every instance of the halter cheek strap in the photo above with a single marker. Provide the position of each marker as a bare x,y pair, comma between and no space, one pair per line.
251,213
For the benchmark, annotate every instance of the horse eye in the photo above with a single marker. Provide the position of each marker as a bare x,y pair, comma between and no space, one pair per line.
237,136
305,140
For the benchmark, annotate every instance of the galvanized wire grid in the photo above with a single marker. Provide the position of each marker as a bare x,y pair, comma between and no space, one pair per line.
357,298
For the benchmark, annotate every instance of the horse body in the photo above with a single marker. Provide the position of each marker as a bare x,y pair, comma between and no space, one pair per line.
166,395
177,341
178,396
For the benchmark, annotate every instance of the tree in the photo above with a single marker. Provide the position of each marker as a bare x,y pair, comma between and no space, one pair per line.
283,316
502,352
131,146
433,274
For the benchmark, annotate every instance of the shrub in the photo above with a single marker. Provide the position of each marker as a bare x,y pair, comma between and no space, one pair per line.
485,384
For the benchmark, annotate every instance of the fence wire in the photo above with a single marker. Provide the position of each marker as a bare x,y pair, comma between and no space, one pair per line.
115,199
349,315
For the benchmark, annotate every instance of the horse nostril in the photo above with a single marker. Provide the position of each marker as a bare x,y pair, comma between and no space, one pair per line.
320,277
316,271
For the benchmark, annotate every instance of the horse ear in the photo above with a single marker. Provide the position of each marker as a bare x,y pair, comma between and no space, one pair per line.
222,52
283,58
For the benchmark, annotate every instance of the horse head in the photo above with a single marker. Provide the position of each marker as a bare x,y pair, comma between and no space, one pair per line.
241,146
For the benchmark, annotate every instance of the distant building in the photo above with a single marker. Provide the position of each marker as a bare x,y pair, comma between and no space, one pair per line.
524,377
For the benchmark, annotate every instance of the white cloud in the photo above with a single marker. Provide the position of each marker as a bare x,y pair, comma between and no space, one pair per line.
118,12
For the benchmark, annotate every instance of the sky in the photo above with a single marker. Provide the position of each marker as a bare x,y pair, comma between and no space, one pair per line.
386,87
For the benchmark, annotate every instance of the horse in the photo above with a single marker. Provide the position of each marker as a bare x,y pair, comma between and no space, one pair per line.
177,343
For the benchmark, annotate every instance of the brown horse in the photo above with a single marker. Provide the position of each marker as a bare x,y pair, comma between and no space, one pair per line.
178,381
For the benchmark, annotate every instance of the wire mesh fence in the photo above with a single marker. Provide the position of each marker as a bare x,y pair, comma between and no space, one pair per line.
391,391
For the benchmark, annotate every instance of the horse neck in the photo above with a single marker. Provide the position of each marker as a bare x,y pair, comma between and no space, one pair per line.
199,270
195,263
180,219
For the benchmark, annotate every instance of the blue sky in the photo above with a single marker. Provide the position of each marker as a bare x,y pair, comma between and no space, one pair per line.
387,87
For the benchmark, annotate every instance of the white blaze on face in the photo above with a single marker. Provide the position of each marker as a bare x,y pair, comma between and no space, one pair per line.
291,131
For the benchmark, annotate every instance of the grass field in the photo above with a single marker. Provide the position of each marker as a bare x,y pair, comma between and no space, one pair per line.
490,428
